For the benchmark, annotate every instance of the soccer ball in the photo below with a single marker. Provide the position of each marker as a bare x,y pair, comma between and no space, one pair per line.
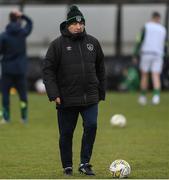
39,86
120,169
118,120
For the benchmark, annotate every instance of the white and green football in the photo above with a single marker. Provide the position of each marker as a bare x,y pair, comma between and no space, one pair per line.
118,120
120,169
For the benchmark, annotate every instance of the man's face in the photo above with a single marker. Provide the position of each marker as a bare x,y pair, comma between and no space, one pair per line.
76,27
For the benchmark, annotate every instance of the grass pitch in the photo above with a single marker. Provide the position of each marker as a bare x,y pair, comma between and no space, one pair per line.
32,151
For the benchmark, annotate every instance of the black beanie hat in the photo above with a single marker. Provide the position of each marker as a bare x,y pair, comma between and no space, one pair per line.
74,15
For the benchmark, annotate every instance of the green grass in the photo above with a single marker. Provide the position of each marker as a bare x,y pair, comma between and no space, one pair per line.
32,151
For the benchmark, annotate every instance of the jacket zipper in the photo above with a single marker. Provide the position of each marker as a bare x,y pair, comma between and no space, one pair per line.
83,69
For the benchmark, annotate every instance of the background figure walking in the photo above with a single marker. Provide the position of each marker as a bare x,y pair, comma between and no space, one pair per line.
150,46
14,62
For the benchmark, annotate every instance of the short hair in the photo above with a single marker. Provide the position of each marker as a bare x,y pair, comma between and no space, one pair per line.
12,17
156,14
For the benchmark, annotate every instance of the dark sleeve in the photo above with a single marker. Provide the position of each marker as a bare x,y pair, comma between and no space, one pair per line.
49,70
100,72
1,44
139,41
28,26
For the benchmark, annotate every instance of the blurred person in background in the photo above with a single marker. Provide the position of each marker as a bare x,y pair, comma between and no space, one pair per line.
74,76
14,62
130,79
150,46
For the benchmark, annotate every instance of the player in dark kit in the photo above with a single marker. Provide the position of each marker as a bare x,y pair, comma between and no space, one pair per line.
14,62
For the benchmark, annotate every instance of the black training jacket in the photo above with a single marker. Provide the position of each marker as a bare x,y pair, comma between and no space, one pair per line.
74,70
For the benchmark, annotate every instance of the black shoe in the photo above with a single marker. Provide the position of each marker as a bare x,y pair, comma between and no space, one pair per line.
68,171
86,169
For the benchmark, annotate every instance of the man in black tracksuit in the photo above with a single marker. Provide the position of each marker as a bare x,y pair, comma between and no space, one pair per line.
74,76
14,62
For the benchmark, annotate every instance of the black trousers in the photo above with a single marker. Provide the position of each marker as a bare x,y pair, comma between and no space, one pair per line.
19,82
67,120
